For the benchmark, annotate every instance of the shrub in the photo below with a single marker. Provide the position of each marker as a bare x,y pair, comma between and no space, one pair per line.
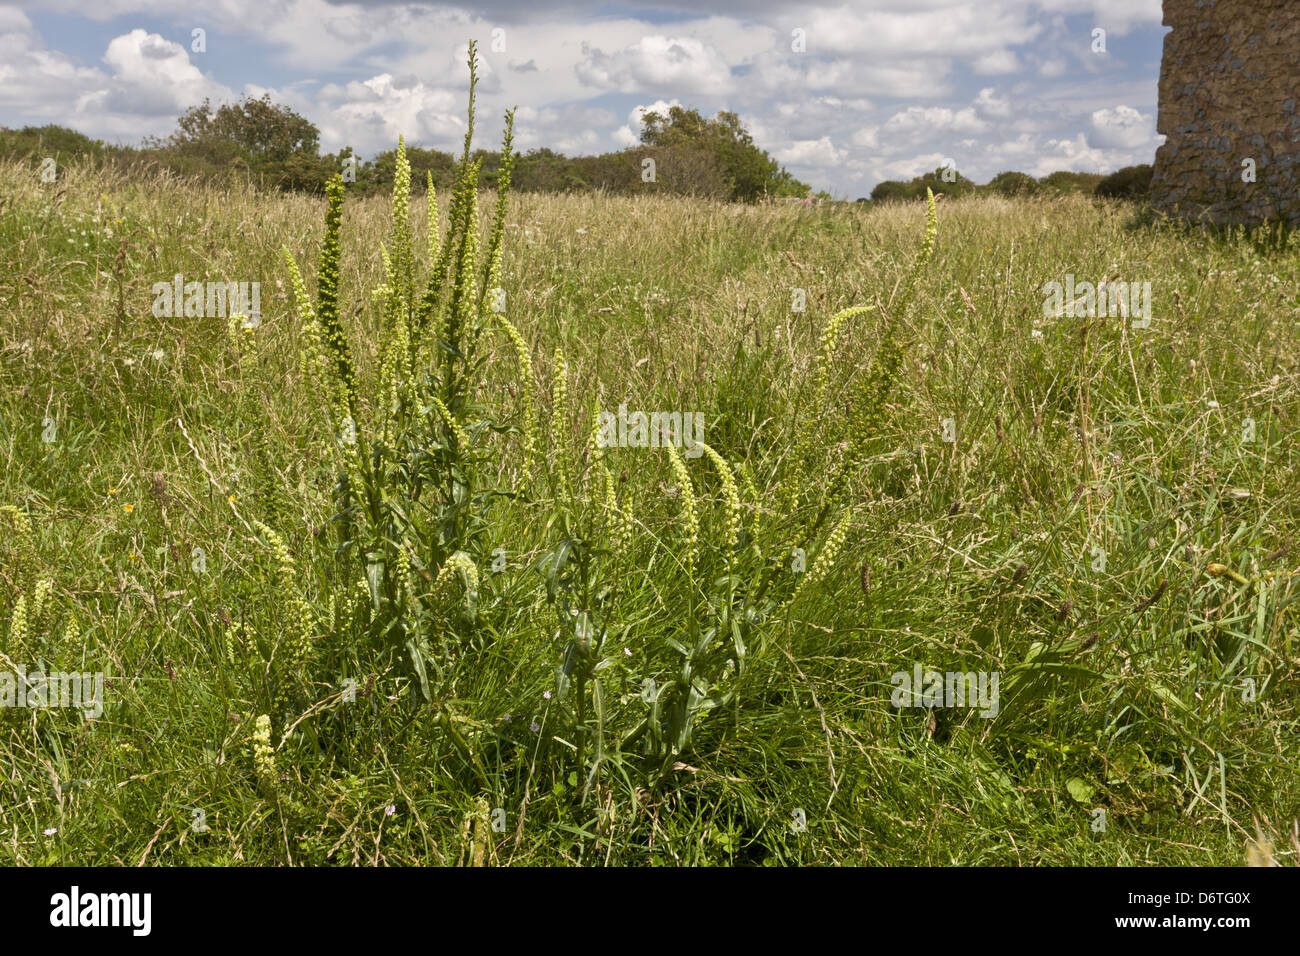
1131,182
1064,181
1013,184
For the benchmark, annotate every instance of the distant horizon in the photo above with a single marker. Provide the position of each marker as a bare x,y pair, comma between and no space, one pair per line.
844,97
453,152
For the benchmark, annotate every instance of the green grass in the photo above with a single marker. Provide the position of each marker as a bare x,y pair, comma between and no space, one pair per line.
972,555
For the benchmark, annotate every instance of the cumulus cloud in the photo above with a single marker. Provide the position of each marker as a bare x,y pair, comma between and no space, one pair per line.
989,104
1122,127
656,63
922,120
149,82
811,152
370,115
999,61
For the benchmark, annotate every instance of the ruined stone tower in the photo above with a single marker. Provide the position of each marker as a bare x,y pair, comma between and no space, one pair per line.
1229,83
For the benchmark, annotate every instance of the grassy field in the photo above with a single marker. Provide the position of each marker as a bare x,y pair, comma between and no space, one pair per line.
576,656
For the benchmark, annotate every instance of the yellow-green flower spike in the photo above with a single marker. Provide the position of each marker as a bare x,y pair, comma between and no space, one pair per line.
264,755
825,561
529,396
730,491
462,440
560,422
690,514
17,645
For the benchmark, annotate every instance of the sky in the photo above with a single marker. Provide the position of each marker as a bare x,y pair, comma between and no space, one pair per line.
844,95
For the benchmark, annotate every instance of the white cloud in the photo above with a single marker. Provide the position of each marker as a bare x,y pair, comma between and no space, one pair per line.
149,83
656,63
999,61
922,120
371,115
990,104
868,137
811,152
1122,127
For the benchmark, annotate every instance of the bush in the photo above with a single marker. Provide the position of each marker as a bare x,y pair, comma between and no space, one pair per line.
1131,182
1065,181
917,187
1013,184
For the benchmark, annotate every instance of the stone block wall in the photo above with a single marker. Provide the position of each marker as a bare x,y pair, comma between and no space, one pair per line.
1229,83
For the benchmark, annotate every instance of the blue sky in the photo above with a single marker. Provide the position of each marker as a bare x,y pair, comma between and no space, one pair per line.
843,94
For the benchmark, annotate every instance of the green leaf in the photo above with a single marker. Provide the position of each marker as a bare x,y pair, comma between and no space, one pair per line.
1080,789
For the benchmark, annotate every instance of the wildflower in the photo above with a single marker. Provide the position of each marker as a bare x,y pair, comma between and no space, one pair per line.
404,582
41,596
128,508
559,419
24,546
18,627
390,810
297,614
534,727
825,558
547,695
462,440
263,754
529,398
618,523
689,515
50,831
732,494
459,564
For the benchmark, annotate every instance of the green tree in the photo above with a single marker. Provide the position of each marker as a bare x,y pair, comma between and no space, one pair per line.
750,173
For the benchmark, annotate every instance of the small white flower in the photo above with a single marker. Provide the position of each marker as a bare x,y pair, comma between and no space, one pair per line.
51,831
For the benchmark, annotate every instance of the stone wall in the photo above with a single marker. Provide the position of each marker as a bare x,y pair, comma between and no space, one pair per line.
1228,87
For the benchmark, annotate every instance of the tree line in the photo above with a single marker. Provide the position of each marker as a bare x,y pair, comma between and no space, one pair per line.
256,140
271,145
1131,182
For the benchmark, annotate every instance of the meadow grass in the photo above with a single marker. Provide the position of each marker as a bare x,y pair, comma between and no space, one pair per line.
1099,533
